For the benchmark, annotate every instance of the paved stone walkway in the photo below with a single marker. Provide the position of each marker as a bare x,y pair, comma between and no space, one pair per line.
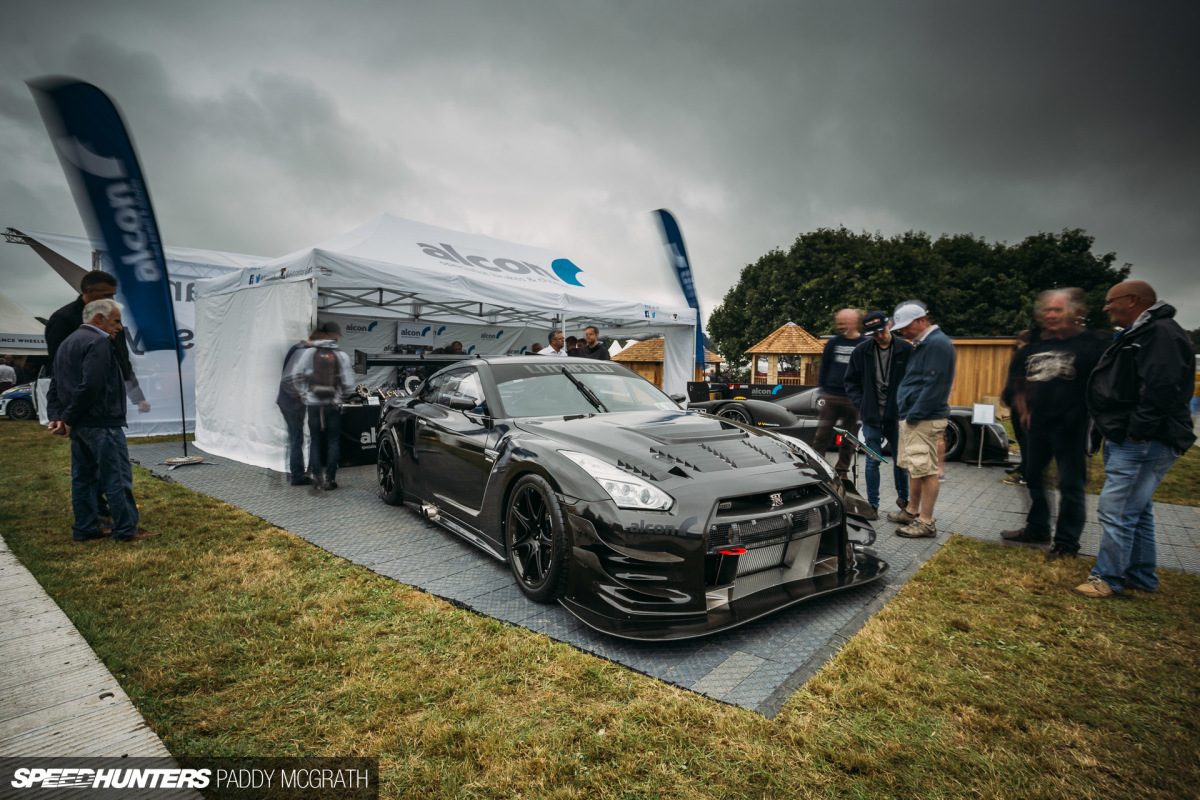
757,666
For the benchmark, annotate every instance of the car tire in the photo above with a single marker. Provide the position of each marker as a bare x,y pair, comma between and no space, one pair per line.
736,412
535,538
956,440
20,409
387,470
412,383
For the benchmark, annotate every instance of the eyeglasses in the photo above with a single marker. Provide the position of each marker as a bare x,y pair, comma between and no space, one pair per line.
1108,301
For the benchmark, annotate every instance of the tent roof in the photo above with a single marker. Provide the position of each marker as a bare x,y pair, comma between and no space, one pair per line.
651,351
398,267
788,339
20,332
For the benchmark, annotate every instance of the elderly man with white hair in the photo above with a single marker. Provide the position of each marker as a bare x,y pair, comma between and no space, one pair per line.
87,403
1051,381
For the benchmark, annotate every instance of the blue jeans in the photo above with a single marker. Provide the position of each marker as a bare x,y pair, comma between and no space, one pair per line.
325,433
873,436
294,417
1127,551
100,464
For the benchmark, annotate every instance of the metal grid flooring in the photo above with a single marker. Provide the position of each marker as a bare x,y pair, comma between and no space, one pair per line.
756,666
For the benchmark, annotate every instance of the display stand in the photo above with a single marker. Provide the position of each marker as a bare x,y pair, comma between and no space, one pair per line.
983,414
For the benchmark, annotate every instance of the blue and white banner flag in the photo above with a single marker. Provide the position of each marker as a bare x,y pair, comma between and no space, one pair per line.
98,157
677,255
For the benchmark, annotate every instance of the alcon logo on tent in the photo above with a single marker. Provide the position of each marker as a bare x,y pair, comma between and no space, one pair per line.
561,268
360,328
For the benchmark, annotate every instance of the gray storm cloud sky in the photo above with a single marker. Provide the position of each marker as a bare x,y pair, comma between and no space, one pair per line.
265,127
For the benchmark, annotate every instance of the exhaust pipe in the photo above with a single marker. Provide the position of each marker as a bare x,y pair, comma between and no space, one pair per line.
430,511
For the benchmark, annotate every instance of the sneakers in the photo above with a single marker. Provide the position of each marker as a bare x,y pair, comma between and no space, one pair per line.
141,533
942,478
1026,535
1060,553
329,486
917,530
305,481
901,517
1095,589
1015,479
902,503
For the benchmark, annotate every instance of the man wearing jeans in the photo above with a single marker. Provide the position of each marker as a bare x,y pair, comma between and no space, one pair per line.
876,368
87,403
1138,398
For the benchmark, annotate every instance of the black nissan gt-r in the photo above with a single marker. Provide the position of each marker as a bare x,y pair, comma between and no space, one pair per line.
645,520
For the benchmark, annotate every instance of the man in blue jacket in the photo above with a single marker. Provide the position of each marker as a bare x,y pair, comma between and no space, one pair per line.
877,367
923,405
1138,399
87,403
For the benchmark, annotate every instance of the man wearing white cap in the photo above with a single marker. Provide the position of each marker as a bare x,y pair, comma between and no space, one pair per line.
923,403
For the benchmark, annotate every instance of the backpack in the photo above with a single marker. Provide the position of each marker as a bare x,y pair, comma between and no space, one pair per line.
323,380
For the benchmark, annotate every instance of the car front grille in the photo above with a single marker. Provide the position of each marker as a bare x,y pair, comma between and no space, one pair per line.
805,512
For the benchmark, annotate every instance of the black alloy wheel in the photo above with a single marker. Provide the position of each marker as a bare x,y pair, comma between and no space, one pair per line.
20,409
737,413
387,469
536,539
955,440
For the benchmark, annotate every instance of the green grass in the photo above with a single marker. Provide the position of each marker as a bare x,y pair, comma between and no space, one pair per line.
1180,486
983,677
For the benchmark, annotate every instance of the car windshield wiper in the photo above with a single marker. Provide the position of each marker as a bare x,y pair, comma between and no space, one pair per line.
585,391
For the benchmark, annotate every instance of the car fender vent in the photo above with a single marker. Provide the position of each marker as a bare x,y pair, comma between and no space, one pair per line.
642,469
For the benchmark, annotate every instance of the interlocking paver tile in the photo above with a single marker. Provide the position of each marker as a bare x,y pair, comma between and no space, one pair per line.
744,666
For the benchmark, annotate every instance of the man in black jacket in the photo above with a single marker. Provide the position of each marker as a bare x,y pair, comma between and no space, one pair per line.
96,285
876,369
591,347
87,403
1138,398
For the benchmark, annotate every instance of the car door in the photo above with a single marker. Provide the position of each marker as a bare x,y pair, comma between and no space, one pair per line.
455,467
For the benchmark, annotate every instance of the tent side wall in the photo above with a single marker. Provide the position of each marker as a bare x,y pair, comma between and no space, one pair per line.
241,341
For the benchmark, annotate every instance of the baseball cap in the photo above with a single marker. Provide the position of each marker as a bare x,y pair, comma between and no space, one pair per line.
875,322
906,314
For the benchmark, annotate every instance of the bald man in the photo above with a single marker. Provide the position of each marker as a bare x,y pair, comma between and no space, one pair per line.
1138,399
836,406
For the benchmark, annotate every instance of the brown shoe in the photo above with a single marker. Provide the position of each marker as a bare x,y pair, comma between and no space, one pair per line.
901,517
1026,535
141,533
917,530
1060,553
1095,588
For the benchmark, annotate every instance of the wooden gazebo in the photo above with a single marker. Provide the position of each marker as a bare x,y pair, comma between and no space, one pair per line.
788,340
646,359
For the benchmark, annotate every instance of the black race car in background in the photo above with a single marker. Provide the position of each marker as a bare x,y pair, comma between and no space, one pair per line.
645,520
796,415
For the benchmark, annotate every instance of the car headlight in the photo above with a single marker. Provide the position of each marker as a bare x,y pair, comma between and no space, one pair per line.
626,490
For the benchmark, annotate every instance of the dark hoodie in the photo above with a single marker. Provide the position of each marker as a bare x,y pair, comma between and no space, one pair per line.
1141,387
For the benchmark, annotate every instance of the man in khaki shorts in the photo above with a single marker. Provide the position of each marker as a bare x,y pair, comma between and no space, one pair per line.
923,403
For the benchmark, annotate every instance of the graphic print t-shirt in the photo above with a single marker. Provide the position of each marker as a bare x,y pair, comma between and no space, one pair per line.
1056,371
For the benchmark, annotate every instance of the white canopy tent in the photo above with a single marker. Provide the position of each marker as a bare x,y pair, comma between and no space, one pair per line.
395,281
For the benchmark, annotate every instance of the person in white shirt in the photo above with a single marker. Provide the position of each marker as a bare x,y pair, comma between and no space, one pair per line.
557,348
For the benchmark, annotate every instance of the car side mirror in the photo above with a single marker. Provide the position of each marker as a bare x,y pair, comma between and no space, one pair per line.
461,402
680,400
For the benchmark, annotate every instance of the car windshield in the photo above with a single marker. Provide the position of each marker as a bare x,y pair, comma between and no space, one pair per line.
543,390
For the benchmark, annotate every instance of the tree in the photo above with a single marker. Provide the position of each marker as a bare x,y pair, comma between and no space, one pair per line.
972,287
